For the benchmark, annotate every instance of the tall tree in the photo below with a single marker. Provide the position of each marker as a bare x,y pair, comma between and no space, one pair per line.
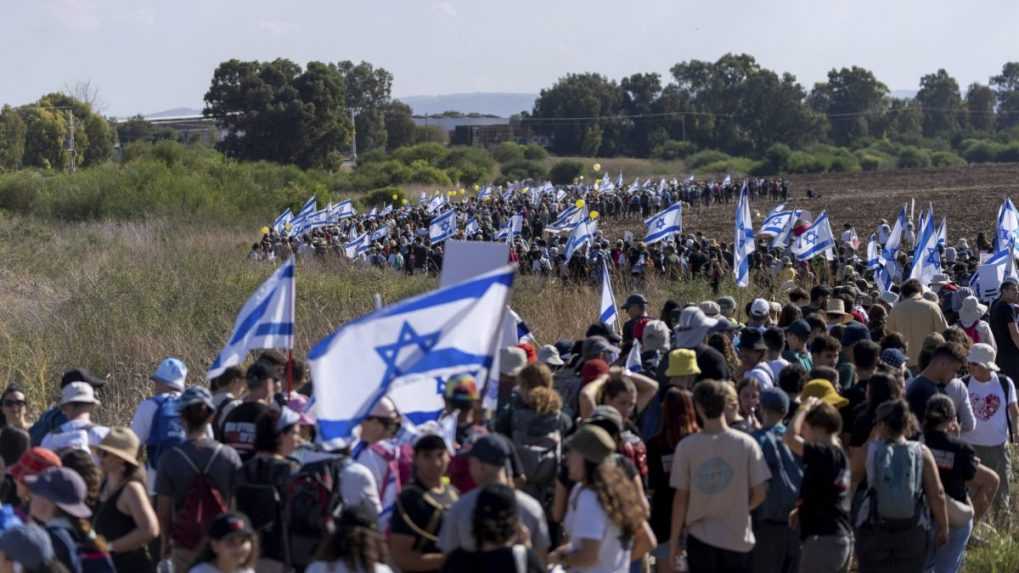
942,105
45,136
853,99
904,120
399,121
367,93
980,107
1006,88
773,111
12,139
571,112
717,89
640,92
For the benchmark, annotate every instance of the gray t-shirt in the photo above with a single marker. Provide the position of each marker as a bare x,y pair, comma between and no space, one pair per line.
457,525
173,478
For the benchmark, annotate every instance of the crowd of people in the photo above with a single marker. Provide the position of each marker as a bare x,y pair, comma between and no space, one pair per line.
834,425
398,238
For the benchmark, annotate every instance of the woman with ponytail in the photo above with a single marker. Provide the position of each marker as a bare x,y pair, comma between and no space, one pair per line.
58,504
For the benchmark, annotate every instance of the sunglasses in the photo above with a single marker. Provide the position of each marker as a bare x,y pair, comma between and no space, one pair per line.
14,403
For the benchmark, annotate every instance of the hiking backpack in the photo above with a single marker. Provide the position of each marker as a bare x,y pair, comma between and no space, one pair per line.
786,478
166,432
313,499
633,448
1004,381
895,483
539,452
89,557
257,496
202,503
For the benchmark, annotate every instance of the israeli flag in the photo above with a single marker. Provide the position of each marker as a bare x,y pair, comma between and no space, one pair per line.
817,239
560,195
633,363
744,242
407,351
280,224
309,207
607,315
619,180
356,247
895,237
873,253
266,321
582,235
342,210
986,282
386,210
664,224
472,228
442,227
523,331
485,193
512,229
436,203
1007,232
380,234
943,233
926,259
569,218
776,221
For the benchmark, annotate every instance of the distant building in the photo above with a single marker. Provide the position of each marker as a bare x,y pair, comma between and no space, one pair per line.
192,128
489,136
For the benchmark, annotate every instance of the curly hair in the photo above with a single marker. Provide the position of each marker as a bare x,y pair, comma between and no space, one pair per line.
536,379
720,342
355,542
617,495
81,462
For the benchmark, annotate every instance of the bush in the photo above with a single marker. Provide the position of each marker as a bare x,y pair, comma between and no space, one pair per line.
730,166
381,174
432,153
1009,153
372,156
565,172
535,152
981,151
913,157
804,162
844,163
468,165
523,169
673,149
777,158
703,158
384,196
423,173
508,151
946,159
872,160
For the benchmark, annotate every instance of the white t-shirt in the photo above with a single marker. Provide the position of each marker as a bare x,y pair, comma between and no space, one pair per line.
76,434
777,366
989,406
763,374
341,567
585,519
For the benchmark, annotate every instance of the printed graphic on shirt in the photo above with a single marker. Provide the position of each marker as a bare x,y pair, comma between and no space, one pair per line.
944,460
713,476
985,408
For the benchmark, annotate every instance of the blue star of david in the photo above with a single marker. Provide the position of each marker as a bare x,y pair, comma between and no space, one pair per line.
932,256
445,226
810,237
660,223
408,338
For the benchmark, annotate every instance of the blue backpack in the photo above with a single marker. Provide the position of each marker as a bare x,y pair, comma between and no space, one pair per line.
786,476
167,432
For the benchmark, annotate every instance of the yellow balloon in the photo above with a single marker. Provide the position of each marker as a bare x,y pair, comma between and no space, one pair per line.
395,196
580,203
581,177
596,166
404,201
477,187
594,214
265,230
524,190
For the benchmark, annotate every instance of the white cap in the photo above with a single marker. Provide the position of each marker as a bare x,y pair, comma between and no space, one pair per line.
171,372
982,354
760,308
78,393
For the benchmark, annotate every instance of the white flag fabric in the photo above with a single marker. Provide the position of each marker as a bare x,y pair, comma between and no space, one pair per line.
873,253
664,224
512,229
380,234
407,351
569,219
816,240
280,224
1008,227
442,227
633,362
265,321
581,235
943,233
607,314
744,243
356,246
472,228
436,203
775,222
986,282
926,259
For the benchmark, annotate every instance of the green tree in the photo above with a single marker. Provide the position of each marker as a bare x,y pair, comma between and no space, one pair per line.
12,139
980,107
942,104
1006,89
367,93
717,89
100,137
773,111
640,93
853,99
399,125
904,120
585,97
45,137
93,138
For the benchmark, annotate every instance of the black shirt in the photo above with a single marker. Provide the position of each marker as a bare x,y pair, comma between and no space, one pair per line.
956,461
659,462
919,393
1002,315
419,513
495,561
824,492
239,428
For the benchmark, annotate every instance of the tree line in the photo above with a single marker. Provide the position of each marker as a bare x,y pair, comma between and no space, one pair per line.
737,106
40,134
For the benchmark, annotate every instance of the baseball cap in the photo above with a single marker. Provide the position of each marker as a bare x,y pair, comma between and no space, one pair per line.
982,354
854,332
196,395
81,375
78,393
800,328
34,461
893,357
28,545
62,486
492,450
512,360
760,308
287,418
227,524
549,354
775,400
751,339
592,442
171,372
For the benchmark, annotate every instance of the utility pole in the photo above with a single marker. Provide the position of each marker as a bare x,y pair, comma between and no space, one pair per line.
353,141
71,163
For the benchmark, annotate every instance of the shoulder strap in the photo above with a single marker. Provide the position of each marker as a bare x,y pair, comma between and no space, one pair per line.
520,558
212,458
187,459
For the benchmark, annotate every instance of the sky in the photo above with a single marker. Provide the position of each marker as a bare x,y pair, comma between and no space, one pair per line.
146,56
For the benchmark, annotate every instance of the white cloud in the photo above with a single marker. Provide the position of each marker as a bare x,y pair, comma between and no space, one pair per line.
277,28
446,8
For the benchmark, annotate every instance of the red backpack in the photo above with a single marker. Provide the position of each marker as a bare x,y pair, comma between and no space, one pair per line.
972,332
202,504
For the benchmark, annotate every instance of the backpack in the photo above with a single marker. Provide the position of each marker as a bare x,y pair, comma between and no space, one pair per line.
633,448
539,452
1005,382
166,431
90,558
202,503
48,422
895,484
257,496
217,417
972,332
312,502
786,477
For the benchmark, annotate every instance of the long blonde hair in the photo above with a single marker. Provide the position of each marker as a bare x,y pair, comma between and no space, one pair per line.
536,380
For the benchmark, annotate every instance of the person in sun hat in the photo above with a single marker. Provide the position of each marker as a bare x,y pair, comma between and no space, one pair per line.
77,402
125,516
824,391
54,416
971,321
760,314
549,356
156,421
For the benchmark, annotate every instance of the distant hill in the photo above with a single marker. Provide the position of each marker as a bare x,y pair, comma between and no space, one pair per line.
903,94
500,104
175,112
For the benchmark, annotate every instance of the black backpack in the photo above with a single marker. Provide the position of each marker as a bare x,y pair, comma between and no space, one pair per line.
1005,381
313,501
258,497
